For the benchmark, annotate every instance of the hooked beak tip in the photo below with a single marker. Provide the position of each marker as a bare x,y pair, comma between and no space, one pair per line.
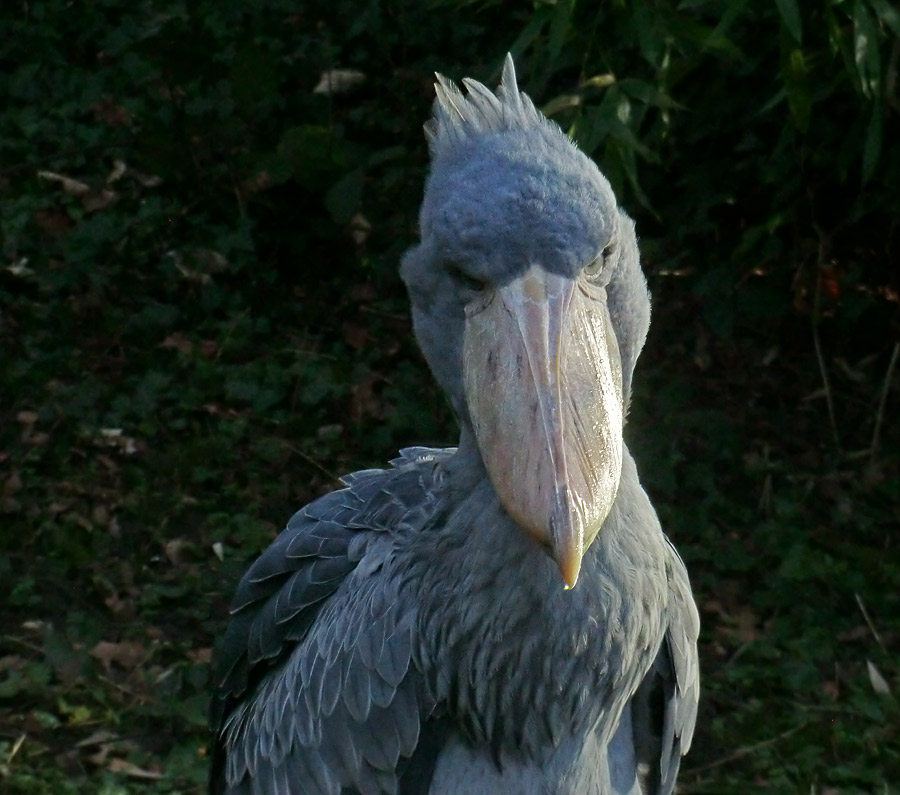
568,537
569,567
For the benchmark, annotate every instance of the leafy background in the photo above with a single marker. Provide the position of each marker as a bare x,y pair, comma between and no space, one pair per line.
201,326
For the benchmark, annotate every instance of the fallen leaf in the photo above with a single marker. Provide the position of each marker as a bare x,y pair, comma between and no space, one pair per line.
119,169
107,462
364,291
832,690
111,114
13,484
12,662
126,654
9,506
99,756
339,81
202,656
54,222
329,433
174,549
20,269
72,187
98,200
114,438
857,633
879,683
100,515
209,348
15,749
360,228
356,336
211,260
147,180
130,769
178,341
35,625
96,738
118,606
217,411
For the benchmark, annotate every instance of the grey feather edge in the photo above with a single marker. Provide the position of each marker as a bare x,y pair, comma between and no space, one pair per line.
338,699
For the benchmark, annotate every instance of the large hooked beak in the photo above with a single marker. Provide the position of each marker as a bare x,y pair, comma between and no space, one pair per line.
543,386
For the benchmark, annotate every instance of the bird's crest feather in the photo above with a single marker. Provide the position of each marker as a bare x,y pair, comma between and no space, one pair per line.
458,118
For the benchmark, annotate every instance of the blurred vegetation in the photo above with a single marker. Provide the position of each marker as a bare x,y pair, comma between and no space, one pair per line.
201,325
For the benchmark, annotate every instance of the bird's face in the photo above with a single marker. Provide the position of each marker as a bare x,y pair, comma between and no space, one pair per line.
522,242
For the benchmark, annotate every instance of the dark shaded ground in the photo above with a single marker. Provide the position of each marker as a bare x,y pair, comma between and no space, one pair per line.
201,325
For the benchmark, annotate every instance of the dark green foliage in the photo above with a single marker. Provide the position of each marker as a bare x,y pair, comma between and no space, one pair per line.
201,327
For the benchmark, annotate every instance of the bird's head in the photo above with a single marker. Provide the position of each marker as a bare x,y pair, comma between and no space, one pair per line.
531,308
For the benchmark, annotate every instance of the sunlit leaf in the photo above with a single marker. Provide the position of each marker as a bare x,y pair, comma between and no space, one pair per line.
562,102
599,81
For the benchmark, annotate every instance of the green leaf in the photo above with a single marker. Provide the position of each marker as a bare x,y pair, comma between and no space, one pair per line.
344,197
531,31
680,26
790,15
562,102
649,41
314,154
254,77
559,28
888,14
872,146
798,95
865,49
648,94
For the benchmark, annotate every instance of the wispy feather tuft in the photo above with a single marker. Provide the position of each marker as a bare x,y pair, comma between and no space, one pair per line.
459,118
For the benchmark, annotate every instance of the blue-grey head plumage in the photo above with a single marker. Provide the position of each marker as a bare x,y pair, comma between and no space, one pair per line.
508,186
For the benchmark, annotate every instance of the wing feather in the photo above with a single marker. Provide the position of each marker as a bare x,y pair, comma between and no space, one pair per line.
317,690
665,705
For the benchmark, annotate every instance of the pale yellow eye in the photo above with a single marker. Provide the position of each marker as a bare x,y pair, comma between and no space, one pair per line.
595,266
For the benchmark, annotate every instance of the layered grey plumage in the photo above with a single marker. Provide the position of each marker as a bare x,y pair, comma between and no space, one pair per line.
406,633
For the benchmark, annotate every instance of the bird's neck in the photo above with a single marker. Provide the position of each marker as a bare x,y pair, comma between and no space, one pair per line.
513,636
466,470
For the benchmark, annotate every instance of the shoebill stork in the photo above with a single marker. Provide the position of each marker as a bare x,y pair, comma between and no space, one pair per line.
505,616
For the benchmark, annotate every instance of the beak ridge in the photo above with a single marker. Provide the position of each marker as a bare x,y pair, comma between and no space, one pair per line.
543,386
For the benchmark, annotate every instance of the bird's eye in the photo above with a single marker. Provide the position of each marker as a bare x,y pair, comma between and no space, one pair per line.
596,265
466,281
593,268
